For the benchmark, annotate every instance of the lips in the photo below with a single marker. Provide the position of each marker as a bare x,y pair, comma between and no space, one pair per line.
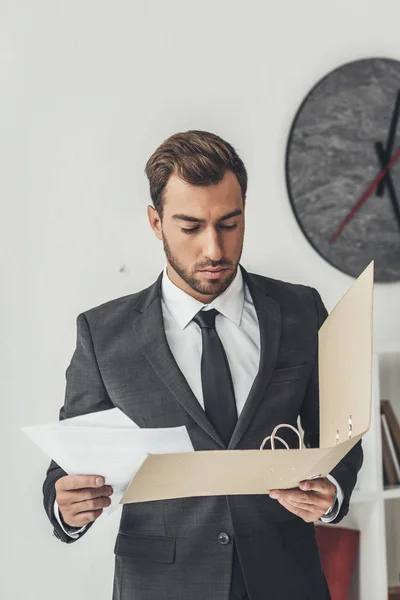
212,270
213,273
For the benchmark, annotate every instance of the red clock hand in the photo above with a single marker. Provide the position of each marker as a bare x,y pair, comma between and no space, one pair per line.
364,197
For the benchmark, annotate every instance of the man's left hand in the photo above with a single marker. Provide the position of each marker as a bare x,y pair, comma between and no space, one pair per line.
309,501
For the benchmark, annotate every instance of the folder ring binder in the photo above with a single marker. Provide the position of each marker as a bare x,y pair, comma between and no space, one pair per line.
274,437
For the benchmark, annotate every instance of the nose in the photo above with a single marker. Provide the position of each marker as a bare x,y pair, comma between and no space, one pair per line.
212,249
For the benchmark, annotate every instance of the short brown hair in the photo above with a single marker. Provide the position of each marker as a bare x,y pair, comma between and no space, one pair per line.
198,157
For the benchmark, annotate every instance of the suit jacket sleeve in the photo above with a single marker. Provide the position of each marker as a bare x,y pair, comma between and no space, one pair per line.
85,392
346,471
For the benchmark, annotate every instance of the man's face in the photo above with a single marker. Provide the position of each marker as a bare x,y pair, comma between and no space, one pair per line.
202,231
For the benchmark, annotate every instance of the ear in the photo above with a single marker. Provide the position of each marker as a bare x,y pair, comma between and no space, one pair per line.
155,221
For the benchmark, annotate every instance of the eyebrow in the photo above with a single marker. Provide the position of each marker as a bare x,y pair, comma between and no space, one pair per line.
182,217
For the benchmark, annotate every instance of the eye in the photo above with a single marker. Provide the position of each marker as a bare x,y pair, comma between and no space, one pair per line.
194,229
229,226
189,231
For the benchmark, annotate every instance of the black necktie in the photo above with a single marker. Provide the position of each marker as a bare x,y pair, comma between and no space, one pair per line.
220,406
216,379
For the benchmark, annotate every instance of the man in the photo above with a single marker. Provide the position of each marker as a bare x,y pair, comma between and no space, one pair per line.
229,355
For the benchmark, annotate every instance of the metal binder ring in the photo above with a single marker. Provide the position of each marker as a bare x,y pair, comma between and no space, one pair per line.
273,436
276,438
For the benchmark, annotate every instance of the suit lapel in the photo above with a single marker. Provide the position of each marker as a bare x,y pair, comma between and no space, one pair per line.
151,339
270,323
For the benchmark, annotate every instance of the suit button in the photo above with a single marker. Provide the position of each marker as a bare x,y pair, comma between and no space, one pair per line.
224,538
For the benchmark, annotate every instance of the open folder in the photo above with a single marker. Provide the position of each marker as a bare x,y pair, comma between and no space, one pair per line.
345,382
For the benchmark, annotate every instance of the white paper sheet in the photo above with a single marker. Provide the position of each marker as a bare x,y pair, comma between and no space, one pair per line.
106,443
114,417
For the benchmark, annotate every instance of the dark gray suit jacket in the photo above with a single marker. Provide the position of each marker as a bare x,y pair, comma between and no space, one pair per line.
172,549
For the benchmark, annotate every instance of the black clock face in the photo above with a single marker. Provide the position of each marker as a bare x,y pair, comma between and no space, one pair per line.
343,167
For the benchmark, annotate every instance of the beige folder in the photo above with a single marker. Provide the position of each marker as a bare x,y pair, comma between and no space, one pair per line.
345,381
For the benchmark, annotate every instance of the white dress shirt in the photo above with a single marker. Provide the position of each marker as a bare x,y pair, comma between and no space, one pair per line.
236,325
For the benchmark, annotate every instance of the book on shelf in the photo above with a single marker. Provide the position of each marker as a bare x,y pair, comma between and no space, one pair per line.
389,473
394,593
393,423
390,430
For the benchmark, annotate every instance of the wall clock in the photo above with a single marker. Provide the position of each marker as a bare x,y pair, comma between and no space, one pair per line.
343,167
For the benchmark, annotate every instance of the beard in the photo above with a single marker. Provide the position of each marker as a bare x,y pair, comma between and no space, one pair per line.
212,287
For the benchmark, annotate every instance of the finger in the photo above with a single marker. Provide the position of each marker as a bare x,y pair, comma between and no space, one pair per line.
77,482
84,518
86,494
90,505
306,515
304,506
310,501
321,486
298,496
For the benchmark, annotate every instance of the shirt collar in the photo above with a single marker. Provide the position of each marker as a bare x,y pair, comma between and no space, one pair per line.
183,307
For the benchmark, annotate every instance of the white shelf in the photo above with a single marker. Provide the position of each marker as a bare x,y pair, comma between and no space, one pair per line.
391,493
387,347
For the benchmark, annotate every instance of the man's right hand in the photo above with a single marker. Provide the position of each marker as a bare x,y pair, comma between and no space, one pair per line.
81,498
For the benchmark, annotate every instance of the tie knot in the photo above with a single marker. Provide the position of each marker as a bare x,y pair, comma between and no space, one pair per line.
206,318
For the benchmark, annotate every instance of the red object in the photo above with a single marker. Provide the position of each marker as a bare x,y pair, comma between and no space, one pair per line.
338,548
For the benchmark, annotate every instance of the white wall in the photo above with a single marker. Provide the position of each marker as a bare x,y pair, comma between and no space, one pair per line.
89,88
